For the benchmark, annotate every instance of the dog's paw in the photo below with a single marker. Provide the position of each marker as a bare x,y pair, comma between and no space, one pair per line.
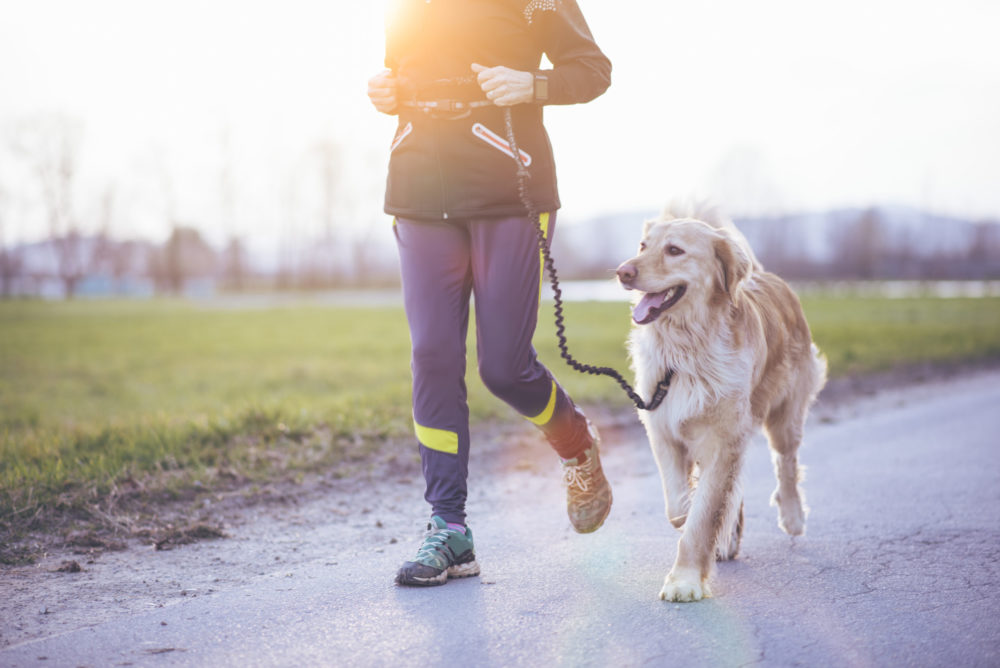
794,524
791,514
684,587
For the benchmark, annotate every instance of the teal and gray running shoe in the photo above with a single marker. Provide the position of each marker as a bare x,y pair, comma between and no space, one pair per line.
445,553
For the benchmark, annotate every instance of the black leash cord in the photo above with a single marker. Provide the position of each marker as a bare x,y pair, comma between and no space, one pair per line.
522,190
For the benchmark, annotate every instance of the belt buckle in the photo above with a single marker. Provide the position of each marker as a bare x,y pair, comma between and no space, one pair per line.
450,110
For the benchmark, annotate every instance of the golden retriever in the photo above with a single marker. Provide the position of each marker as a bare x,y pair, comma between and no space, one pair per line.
743,358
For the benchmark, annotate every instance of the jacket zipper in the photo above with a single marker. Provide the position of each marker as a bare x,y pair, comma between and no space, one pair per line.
437,158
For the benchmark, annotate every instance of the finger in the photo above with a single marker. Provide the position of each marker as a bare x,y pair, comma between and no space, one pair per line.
382,79
492,79
477,68
383,85
491,85
487,74
485,80
495,93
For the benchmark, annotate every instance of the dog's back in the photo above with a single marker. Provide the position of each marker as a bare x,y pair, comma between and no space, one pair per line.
789,366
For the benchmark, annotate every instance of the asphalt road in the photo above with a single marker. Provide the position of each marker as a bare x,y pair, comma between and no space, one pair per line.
899,566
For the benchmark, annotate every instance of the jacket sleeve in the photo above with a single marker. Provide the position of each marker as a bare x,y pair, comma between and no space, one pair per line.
580,71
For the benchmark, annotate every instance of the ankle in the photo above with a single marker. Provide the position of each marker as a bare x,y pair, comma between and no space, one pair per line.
571,439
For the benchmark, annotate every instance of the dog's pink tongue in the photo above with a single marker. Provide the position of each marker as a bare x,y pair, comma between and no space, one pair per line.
646,310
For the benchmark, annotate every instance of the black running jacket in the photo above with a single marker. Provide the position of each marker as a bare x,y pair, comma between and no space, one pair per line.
443,167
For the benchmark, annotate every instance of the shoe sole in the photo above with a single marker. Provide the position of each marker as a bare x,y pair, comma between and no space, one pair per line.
467,570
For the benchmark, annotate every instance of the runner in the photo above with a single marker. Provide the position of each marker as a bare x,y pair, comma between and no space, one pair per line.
462,230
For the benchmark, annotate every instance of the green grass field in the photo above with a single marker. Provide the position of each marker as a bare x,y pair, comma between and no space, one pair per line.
170,394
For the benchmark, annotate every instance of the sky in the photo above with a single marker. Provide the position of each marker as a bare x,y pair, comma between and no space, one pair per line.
224,113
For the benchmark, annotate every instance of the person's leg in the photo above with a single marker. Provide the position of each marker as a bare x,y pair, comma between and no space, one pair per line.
506,269
436,275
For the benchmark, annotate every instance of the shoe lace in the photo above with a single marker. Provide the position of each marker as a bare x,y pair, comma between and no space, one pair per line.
434,541
578,476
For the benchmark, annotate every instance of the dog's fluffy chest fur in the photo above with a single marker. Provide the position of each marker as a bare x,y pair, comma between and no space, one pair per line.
709,367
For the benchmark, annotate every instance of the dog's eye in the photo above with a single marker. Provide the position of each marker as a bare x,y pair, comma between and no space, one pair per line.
642,246
674,250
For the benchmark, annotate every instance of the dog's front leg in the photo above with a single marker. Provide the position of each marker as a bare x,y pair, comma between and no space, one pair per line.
674,462
710,512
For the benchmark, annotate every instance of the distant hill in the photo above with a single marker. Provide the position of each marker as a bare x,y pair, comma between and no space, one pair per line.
875,242
883,242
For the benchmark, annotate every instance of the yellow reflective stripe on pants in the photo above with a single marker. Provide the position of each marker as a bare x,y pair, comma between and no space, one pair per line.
543,418
441,440
543,222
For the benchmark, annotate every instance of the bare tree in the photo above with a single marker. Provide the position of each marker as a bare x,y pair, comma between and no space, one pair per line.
983,257
871,241
234,264
50,147
743,183
776,243
326,250
102,251
11,260
288,265
859,247
113,254
234,256
327,155
123,263
185,255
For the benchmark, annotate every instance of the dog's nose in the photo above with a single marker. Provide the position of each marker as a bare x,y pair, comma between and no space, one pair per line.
627,273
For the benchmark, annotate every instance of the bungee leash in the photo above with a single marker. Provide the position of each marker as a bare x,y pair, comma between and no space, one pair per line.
464,109
523,175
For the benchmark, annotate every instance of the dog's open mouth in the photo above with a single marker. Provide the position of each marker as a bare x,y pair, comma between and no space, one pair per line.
653,304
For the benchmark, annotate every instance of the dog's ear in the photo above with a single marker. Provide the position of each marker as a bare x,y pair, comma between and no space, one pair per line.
647,226
734,264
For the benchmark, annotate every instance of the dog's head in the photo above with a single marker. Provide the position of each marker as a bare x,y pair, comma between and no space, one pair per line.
684,264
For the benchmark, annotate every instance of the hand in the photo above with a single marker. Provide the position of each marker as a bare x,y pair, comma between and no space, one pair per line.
505,87
382,91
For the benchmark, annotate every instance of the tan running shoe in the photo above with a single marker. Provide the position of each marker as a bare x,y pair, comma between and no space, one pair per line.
588,493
